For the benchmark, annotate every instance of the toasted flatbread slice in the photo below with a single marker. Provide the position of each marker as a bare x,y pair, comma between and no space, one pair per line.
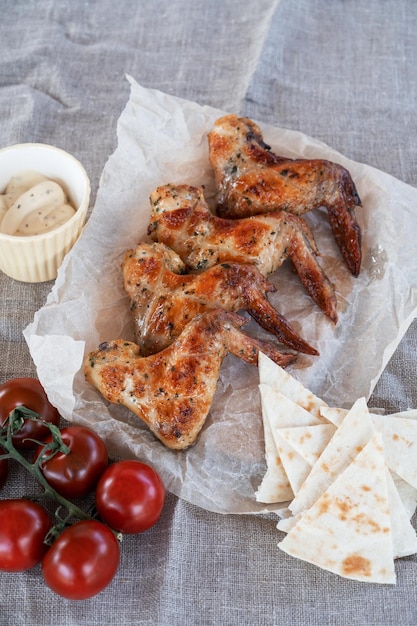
399,436
409,414
283,412
276,377
407,493
348,529
296,467
352,435
334,415
278,411
275,486
308,441
286,523
404,538
299,449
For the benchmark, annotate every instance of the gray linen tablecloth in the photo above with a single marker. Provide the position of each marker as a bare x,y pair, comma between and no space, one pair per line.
343,71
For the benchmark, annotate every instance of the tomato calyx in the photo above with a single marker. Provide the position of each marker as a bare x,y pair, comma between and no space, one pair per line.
74,475
66,509
29,394
16,420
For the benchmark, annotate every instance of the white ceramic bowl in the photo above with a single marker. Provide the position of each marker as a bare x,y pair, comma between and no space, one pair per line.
36,258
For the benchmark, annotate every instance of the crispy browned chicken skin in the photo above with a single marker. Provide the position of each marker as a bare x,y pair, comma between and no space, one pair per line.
181,219
251,179
172,391
164,299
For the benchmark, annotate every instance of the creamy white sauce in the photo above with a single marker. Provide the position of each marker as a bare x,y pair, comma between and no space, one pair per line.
33,204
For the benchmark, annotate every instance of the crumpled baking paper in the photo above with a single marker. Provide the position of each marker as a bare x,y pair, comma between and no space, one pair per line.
163,139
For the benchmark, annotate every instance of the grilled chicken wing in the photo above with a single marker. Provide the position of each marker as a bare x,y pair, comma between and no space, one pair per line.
164,299
251,179
181,219
172,391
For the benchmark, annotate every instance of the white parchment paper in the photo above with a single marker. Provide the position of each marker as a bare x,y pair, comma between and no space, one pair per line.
162,139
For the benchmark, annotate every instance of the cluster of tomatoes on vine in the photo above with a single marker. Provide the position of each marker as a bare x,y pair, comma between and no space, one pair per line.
79,551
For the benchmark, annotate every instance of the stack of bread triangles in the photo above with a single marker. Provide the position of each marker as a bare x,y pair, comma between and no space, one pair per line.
348,479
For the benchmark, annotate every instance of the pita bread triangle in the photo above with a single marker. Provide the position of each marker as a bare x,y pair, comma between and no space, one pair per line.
296,467
348,529
278,411
299,448
288,522
399,436
409,414
351,436
404,538
275,486
308,441
276,377
333,414
407,493
399,433
282,412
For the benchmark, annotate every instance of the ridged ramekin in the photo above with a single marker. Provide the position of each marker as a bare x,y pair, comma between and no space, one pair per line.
36,258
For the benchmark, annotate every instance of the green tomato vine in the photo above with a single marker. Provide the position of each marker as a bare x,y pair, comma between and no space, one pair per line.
66,510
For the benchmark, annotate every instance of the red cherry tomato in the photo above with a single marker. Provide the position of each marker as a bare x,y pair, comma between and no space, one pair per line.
82,561
23,527
130,496
75,474
27,392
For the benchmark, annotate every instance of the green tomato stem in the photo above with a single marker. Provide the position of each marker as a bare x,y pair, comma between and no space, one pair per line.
11,426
